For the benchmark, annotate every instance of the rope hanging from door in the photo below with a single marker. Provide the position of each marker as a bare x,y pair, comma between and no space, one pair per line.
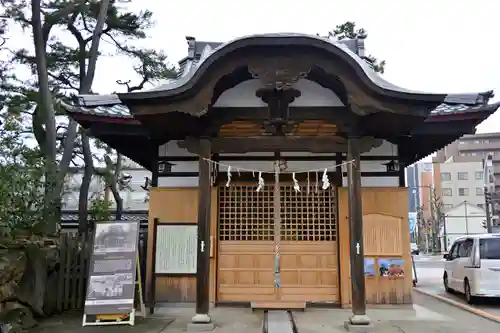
277,225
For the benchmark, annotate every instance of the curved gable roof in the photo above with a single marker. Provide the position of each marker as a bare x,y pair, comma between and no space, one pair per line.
349,51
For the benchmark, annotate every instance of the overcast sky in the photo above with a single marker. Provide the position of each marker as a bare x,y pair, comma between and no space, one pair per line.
431,45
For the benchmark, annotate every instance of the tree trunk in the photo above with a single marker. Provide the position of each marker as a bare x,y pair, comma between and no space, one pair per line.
421,237
114,188
51,205
83,198
85,88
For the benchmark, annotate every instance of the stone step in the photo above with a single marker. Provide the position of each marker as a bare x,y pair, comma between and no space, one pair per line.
278,321
282,305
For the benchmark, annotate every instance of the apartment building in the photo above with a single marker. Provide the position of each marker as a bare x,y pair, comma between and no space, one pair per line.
461,182
425,187
473,148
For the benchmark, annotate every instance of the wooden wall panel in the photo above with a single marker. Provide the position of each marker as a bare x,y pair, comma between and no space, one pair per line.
178,205
382,235
381,207
175,289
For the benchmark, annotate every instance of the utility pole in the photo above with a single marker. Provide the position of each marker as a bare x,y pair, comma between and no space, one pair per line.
466,211
489,185
434,219
445,233
487,201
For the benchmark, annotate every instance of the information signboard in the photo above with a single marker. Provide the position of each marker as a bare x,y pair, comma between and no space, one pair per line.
176,249
112,270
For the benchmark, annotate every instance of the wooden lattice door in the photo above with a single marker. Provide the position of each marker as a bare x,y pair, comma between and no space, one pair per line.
309,259
247,244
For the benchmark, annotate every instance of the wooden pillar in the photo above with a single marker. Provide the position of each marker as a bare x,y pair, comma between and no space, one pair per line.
339,179
150,273
359,316
401,170
203,252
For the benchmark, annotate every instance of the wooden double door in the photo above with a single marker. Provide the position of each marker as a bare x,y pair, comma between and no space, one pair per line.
307,245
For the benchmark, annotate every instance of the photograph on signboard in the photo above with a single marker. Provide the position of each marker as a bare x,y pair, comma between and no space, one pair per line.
115,237
176,250
112,265
109,286
370,267
391,267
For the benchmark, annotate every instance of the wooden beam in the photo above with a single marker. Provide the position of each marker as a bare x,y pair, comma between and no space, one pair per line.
245,176
437,128
340,116
356,234
280,143
203,251
285,178
232,158
119,129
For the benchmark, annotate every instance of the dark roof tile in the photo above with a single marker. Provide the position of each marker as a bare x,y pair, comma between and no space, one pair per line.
121,111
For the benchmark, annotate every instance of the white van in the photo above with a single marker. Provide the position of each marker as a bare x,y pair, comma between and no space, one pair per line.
472,266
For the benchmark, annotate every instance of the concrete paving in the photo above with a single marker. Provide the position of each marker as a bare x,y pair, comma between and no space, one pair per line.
427,315
69,323
430,281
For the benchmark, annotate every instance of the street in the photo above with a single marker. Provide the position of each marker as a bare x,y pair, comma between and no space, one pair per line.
429,270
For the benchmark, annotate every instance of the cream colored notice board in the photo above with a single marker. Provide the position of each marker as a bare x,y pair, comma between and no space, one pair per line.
176,249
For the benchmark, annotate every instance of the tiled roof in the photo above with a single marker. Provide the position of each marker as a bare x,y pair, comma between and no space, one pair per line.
68,217
354,48
121,111
117,110
445,109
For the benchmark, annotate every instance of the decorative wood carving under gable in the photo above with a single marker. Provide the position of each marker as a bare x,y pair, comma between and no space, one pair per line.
241,128
306,128
315,128
280,73
313,144
288,69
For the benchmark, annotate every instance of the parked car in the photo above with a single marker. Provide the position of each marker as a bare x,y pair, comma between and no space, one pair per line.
472,267
414,249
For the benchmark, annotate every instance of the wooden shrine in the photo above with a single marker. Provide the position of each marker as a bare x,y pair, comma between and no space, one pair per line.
283,111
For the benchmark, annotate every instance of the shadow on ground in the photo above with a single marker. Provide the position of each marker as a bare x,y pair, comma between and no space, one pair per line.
72,323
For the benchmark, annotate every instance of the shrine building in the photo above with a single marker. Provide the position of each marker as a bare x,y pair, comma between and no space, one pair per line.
325,140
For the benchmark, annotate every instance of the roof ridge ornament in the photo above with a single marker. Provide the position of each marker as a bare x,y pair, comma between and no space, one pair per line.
191,41
280,73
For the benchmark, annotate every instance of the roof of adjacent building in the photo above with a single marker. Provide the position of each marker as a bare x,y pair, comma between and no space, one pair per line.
129,215
481,136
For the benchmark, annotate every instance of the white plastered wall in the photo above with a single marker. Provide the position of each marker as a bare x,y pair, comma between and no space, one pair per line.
171,149
243,95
